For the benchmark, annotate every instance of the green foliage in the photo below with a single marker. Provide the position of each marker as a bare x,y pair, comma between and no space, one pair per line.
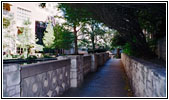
15,56
31,57
95,34
117,41
22,57
154,24
84,43
48,38
74,16
6,22
127,49
63,38
130,20
152,21
47,56
49,50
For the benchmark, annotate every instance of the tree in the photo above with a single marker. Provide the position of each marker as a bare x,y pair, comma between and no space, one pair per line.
92,29
96,33
125,19
9,36
48,38
63,38
75,18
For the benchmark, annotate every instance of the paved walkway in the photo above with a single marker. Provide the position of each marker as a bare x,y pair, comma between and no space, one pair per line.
109,81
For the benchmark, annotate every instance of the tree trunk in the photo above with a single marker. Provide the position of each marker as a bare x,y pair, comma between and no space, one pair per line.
118,53
75,40
93,44
56,52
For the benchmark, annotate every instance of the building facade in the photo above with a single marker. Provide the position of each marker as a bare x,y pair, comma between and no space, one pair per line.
16,14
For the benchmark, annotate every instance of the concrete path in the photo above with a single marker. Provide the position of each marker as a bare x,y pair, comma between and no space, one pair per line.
109,81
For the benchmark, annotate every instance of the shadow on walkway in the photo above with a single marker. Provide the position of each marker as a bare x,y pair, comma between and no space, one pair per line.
109,81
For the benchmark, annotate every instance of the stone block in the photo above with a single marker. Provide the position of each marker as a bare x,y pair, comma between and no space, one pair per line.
17,88
12,92
73,82
74,75
13,78
149,92
49,93
14,67
9,88
73,63
17,95
10,67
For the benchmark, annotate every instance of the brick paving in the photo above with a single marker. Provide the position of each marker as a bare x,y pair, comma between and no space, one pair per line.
109,81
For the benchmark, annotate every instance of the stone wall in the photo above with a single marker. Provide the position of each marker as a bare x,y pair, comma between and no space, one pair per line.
45,79
49,78
76,71
82,65
94,62
11,80
102,58
161,48
147,79
99,59
105,57
86,64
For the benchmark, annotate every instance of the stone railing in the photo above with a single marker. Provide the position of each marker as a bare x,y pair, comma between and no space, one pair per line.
11,80
49,78
86,64
101,58
147,79
161,48
76,71
81,65
94,63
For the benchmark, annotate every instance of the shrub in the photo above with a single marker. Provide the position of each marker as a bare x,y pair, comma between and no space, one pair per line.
31,57
47,56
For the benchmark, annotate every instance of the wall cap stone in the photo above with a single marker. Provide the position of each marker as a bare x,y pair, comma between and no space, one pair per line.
37,68
158,69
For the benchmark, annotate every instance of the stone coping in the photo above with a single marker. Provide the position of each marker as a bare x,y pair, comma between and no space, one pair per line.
37,68
157,69
11,61
87,56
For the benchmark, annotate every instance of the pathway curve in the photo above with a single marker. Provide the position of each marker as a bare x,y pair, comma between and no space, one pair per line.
109,81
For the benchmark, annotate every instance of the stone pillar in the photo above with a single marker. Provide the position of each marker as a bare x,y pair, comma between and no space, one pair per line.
11,80
94,62
98,59
76,71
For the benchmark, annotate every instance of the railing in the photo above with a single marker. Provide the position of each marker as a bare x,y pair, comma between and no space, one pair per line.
147,79
49,78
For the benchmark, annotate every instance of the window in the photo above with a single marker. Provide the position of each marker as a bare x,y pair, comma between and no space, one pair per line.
23,14
19,50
